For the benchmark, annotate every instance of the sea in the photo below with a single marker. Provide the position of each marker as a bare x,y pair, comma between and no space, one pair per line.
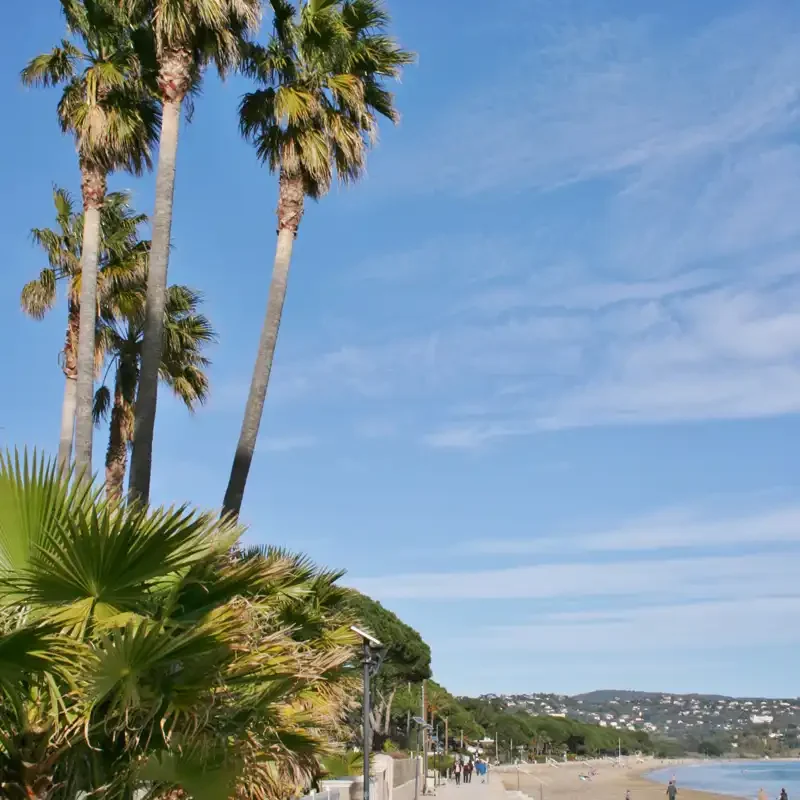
736,778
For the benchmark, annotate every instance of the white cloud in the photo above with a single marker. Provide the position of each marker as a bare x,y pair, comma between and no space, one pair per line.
682,300
726,353
597,600
750,622
284,444
468,258
714,353
665,529
722,354
431,363
711,577
597,99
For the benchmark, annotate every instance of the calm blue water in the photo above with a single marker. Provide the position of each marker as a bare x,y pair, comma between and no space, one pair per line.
738,778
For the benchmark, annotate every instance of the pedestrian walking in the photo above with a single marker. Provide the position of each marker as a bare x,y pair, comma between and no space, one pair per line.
672,790
457,771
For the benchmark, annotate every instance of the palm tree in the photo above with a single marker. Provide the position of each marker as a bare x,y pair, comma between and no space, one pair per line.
118,253
136,647
187,36
114,121
183,365
323,75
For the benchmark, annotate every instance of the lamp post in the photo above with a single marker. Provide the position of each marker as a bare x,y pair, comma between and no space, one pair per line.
423,728
437,777
373,654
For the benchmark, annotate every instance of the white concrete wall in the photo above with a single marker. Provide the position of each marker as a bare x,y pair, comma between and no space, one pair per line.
391,779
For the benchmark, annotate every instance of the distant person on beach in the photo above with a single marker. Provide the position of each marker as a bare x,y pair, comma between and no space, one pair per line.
628,795
784,795
672,790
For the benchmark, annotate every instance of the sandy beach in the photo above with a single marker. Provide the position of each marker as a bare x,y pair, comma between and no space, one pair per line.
611,782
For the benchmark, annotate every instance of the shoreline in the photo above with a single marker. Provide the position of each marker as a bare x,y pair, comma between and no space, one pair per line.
611,781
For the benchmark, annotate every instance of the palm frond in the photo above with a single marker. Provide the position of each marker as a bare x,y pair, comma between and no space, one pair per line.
98,565
102,404
35,498
317,6
50,69
65,207
39,296
294,105
107,101
321,77
204,772
38,650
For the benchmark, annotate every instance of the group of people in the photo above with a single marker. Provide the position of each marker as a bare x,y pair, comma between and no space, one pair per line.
464,767
762,795
672,792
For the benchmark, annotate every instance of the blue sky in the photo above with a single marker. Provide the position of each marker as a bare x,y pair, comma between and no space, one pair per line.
538,380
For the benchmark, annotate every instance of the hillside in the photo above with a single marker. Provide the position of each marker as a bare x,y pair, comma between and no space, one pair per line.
730,722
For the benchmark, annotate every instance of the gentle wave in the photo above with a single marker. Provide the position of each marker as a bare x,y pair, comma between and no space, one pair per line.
736,778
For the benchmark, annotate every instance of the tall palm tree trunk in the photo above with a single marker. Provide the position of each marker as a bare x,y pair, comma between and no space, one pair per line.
93,187
174,81
70,368
290,211
117,452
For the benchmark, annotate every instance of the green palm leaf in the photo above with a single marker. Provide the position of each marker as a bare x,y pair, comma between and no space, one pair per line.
37,649
204,772
92,568
35,498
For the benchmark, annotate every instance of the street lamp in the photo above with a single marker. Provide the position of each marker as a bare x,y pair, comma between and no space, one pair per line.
373,654
437,775
423,728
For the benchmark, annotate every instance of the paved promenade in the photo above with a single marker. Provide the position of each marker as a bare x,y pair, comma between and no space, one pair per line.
493,790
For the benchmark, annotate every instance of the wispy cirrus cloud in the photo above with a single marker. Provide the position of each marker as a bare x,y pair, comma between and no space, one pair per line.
286,444
672,295
668,627
662,530
692,355
623,589
595,98
714,577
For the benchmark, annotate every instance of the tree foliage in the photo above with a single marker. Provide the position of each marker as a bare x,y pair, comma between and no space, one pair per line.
122,256
106,102
543,735
322,77
407,657
136,648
